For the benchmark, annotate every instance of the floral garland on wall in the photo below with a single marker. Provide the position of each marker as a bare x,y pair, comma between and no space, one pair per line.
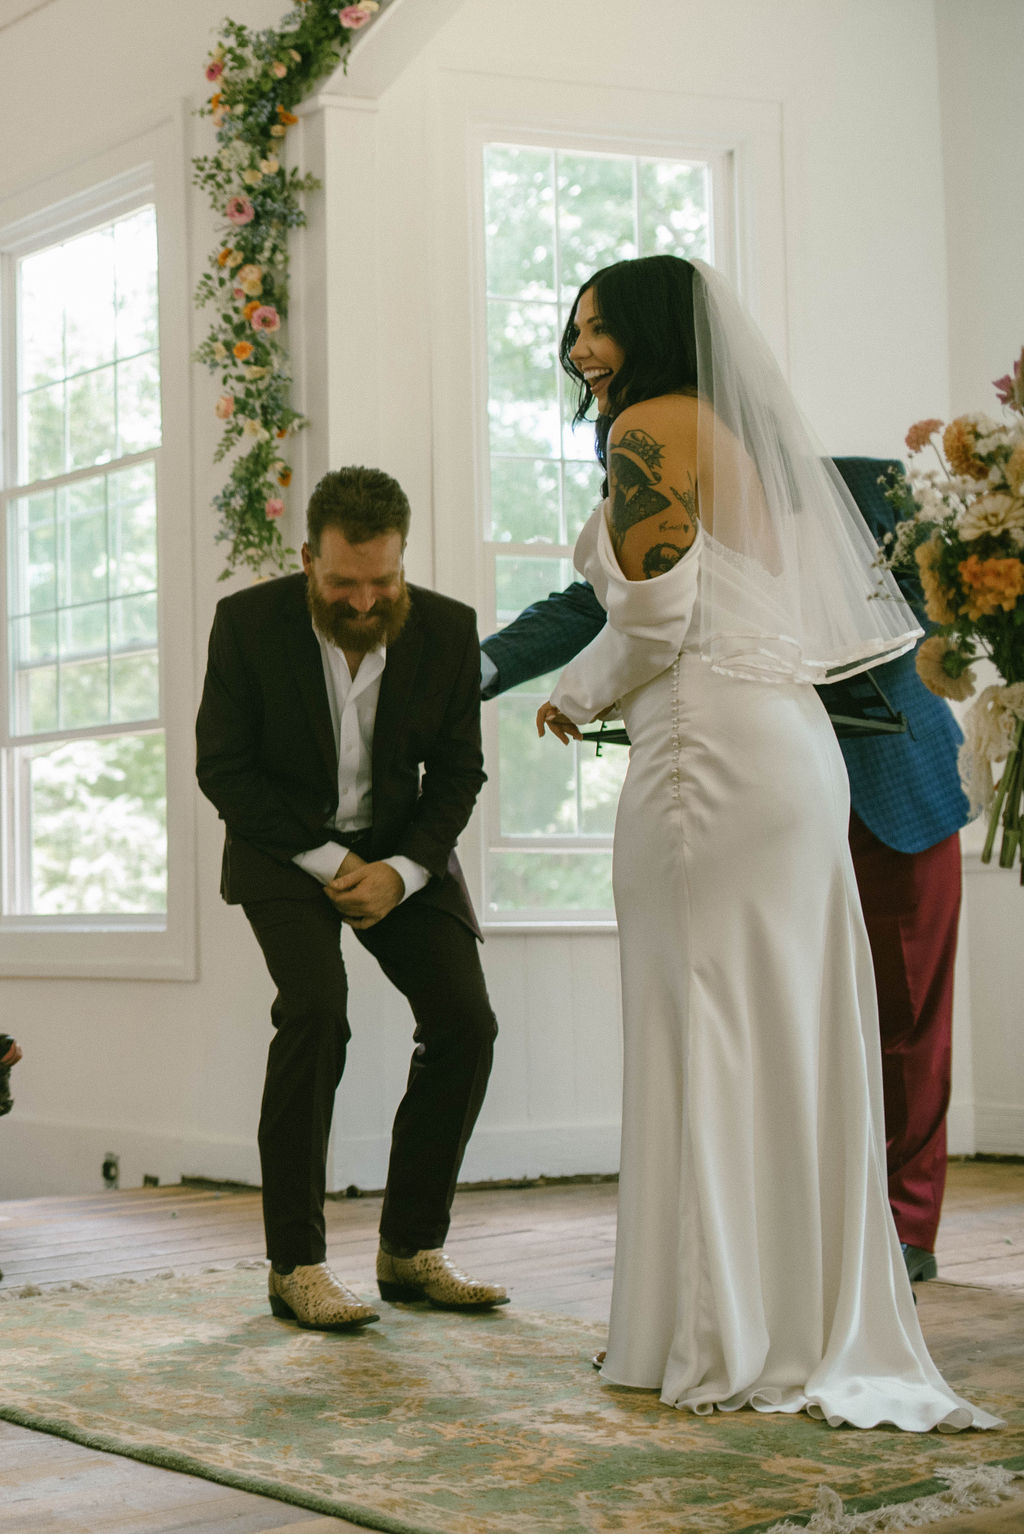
259,77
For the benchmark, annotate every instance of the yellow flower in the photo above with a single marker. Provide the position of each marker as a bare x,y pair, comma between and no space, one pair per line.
958,441
270,167
933,673
937,597
990,583
277,131
251,176
1015,469
250,279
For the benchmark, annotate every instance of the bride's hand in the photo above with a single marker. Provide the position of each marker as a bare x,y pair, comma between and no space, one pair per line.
557,722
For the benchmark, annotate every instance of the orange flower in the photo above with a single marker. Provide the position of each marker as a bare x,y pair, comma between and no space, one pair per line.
224,257
991,583
937,603
284,476
251,307
920,434
958,444
243,350
282,432
288,118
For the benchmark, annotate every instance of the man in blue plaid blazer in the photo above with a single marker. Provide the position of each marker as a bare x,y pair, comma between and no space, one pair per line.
907,808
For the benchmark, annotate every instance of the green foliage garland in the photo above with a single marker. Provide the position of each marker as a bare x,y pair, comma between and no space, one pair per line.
259,77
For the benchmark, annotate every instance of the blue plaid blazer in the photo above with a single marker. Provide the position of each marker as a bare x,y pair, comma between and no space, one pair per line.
905,788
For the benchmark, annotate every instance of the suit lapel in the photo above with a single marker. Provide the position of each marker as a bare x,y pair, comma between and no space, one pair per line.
396,685
307,667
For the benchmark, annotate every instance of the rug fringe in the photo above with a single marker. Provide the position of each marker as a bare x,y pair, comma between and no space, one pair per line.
968,1490
125,1281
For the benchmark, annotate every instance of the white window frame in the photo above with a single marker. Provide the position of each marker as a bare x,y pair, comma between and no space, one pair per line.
149,169
744,139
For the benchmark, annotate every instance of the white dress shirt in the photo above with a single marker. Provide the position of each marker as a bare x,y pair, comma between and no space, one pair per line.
353,704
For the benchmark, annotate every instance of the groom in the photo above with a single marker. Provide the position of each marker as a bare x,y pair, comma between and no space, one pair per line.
339,739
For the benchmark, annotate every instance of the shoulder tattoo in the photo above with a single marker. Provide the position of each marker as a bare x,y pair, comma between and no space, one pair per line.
635,471
661,557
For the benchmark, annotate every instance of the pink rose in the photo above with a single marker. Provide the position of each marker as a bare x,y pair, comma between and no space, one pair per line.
240,210
275,508
215,69
225,407
354,16
265,317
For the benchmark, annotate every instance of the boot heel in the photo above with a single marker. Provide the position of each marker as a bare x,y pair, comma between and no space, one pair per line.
398,1292
280,1309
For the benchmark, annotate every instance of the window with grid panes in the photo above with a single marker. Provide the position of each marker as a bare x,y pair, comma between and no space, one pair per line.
83,740
553,217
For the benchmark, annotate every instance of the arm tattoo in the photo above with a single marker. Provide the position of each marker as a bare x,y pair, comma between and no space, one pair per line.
661,557
635,463
688,500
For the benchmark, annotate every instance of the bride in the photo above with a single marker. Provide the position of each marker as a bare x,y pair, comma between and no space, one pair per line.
756,1260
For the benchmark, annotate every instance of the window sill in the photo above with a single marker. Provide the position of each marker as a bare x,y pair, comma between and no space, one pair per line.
90,949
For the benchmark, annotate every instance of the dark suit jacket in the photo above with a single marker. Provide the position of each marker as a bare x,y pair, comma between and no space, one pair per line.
266,756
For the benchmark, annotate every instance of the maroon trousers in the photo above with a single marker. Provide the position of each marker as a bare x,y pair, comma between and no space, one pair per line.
911,904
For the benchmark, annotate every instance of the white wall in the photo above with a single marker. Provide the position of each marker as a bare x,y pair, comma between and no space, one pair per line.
981,58
168,1073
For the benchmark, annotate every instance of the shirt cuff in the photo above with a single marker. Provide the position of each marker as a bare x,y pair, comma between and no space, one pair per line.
413,875
488,674
322,862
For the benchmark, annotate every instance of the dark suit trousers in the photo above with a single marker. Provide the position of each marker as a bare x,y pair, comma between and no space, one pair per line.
433,960
911,906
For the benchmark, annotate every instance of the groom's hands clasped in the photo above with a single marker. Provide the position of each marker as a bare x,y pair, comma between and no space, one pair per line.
364,893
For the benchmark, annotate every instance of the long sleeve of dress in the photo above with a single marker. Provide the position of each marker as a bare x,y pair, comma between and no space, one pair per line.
647,623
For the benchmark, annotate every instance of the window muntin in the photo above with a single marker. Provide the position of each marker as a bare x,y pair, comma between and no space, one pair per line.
85,797
551,218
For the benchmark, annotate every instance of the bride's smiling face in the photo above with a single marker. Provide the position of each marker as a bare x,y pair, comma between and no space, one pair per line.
596,353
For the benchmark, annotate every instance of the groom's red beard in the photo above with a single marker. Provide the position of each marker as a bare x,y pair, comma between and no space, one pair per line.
350,630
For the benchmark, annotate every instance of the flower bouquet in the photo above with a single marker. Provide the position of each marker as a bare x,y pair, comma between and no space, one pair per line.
962,534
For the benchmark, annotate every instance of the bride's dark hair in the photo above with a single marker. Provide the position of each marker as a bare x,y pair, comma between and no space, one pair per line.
646,306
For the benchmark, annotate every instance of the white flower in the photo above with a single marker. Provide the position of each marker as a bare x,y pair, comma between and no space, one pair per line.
993,513
254,429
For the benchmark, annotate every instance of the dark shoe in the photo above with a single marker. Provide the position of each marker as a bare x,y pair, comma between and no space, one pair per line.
597,1362
317,1300
921,1265
431,1275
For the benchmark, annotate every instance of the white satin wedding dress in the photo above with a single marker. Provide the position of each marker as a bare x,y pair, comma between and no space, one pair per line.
756,1261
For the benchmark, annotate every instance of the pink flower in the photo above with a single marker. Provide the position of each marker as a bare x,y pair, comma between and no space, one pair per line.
354,16
224,407
275,508
278,70
265,317
215,69
240,210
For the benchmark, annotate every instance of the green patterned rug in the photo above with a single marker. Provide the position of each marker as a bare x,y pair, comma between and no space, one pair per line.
434,1423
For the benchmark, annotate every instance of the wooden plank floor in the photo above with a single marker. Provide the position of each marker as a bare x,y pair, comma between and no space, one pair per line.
553,1246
